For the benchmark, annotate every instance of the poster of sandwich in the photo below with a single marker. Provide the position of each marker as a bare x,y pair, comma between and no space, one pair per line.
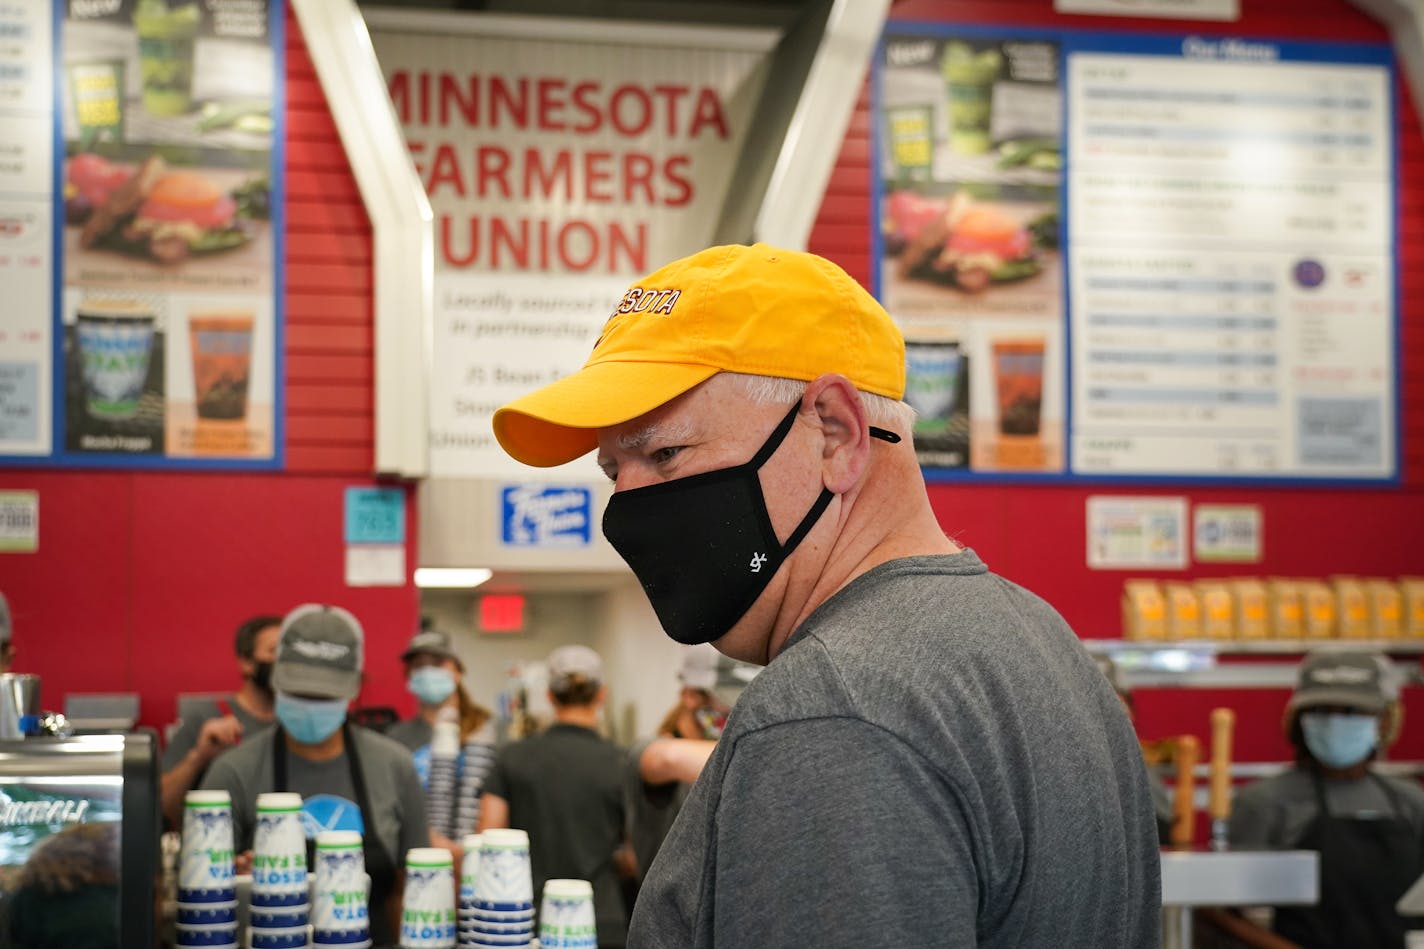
167,323
969,127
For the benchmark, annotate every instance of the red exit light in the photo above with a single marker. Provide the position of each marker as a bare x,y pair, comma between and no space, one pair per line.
502,613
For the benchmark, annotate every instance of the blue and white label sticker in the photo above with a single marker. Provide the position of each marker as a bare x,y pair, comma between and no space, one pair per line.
375,516
542,515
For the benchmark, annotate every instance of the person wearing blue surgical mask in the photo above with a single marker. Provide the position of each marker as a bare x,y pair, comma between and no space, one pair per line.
350,778
1367,827
433,674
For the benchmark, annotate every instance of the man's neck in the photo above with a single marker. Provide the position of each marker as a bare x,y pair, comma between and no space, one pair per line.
254,701
325,750
585,716
1353,773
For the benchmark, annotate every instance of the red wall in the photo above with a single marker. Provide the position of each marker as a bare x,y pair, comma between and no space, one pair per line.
141,578
1036,534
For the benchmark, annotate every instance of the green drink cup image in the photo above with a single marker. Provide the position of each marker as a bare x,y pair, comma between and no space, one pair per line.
165,55
115,339
970,75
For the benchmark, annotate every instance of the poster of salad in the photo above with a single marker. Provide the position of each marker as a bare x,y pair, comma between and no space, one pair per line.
969,127
165,322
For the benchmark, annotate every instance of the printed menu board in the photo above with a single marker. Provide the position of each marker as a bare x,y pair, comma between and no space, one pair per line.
140,198
1115,255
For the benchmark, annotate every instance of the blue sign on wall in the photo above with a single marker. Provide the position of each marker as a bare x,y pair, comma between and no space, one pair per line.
543,515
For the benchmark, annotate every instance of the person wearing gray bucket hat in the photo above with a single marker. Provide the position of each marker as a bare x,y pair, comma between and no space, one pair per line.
350,778
1366,826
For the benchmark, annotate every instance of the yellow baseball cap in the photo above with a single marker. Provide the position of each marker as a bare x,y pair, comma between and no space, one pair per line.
758,310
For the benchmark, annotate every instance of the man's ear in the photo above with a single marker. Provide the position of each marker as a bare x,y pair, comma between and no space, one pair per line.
844,430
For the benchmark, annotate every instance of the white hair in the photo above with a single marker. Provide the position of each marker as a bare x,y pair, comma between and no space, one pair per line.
880,411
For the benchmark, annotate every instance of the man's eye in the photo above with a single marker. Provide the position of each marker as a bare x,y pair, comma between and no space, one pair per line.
663,455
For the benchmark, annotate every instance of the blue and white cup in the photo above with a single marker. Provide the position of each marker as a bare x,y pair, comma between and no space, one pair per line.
566,918
428,907
279,846
208,914
281,917
295,938
205,860
340,912
205,937
503,882
469,868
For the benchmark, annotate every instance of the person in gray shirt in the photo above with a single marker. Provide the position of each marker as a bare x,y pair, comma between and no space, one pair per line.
350,778
1367,827
930,757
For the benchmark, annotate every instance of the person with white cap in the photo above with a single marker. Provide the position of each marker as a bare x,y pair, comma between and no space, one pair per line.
929,754
1368,827
350,778
564,786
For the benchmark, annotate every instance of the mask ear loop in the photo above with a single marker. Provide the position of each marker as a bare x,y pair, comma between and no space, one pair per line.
884,435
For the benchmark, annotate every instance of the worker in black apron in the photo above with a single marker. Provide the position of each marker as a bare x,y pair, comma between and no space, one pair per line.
382,869
1367,828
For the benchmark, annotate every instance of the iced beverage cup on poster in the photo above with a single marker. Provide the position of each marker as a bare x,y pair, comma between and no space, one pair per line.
222,359
166,33
1018,374
115,338
969,76
932,383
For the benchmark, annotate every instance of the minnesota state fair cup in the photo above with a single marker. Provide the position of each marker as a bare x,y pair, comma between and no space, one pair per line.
428,909
279,853
205,869
503,883
341,908
566,916
469,870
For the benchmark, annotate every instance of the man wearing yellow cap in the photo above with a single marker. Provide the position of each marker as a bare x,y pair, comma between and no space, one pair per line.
930,756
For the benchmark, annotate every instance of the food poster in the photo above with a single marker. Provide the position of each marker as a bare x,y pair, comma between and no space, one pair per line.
969,128
164,313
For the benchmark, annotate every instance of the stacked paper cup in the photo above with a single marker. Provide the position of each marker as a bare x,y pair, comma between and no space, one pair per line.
207,886
477,757
444,769
566,916
503,911
428,909
341,907
469,871
278,914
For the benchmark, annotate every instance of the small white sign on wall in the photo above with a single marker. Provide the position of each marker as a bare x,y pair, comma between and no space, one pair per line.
1132,532
1227,533
19,521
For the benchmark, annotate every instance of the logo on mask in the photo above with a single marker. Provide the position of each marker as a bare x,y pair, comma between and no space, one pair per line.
757,561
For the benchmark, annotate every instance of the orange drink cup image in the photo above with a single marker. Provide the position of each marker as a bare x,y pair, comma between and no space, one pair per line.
1018,376
222,358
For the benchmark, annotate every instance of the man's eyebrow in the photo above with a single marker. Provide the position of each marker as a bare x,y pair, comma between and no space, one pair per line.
633,441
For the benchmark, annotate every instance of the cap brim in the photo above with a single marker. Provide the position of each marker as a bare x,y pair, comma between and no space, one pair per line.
560,422
410,654
303,679
1344,697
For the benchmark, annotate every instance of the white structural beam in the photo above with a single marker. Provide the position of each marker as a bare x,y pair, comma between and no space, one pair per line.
1405,19
401,222
818,123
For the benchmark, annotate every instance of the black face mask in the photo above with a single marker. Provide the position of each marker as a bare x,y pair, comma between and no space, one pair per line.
262,676
703,546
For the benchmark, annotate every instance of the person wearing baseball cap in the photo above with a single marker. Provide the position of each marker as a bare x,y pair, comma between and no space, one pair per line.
564,786
1368,827
433,674
747,404
350,778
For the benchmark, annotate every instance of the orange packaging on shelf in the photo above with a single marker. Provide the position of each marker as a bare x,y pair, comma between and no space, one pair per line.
1183,611
1287,612
1411,591
1217,610
1253,620
1144,611
1386,608
1352,608
1318,600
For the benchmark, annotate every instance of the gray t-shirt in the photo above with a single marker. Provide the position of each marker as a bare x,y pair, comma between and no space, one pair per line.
652,808
1275,813
186,737
399,819
934,760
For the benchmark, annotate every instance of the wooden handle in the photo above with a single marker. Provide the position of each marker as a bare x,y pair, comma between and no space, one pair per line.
1183,813
1223,721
